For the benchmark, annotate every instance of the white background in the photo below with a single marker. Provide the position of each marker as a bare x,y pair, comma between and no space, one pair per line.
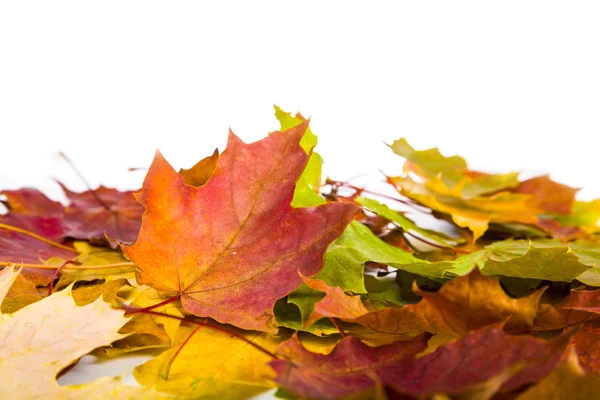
511,85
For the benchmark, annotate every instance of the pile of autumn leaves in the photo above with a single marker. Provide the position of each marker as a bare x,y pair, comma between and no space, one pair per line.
247,273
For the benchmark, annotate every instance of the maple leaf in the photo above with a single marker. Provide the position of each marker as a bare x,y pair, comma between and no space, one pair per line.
95,214
232,247
43,354
455,368
30,210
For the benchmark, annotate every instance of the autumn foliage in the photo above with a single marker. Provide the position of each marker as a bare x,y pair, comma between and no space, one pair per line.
249,272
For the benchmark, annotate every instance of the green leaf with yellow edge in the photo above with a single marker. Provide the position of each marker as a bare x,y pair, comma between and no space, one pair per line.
212,364
405,223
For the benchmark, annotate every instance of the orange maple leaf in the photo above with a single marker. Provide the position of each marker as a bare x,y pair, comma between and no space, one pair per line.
232,247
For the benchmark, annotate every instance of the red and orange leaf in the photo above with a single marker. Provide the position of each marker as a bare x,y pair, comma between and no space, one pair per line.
103,211
233,246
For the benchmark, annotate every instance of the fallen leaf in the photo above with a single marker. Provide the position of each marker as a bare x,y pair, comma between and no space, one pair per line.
43,353
231,253
455,368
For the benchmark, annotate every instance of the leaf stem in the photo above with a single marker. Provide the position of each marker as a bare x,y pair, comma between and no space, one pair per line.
85,182
51,287
166,369
38,237
152,307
